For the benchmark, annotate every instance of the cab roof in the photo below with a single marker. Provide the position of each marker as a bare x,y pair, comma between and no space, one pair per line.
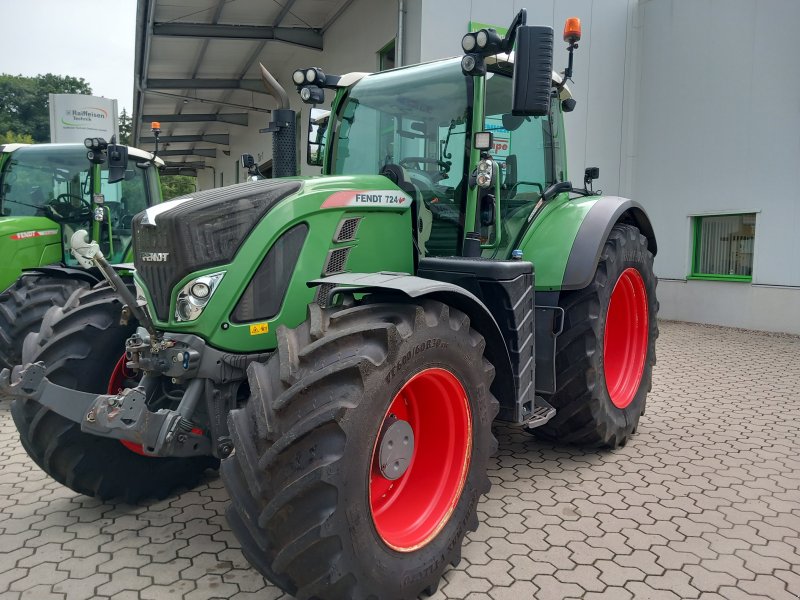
135,152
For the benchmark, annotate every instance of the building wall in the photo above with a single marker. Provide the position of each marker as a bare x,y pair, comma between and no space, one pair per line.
595,127
717,132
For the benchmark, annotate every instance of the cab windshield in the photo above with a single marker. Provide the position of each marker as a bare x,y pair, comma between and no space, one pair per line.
418,119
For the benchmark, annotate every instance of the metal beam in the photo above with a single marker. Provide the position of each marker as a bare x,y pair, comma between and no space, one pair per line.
211,138
299,36
196,164
252,85
207,152
230,118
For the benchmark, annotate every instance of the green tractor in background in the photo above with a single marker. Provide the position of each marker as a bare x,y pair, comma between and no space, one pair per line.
47,192
344,343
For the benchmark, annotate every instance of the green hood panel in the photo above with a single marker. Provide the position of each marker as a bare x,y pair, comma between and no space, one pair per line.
382,243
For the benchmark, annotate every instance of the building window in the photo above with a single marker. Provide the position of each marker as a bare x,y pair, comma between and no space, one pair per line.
723,247
386,59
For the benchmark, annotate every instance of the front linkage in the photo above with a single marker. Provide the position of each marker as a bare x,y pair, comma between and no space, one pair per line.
184,360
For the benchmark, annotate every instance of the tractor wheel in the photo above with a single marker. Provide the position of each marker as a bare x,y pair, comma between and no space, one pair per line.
81,345
363,451
22,307
606,353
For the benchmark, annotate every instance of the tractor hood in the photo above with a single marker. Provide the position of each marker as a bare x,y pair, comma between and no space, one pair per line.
200,230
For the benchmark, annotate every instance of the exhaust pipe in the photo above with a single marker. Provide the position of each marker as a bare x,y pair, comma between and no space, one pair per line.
282,127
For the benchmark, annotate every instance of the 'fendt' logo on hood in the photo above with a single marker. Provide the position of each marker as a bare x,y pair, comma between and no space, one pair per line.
155,256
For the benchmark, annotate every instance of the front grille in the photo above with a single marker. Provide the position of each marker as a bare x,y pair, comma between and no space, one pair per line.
323,293
199,231
336,261
346,231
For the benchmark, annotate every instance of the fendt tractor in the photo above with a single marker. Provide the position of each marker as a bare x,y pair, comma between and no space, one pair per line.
343,343
47,192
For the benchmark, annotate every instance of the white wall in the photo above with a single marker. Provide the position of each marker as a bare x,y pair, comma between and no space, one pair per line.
718,130
595,128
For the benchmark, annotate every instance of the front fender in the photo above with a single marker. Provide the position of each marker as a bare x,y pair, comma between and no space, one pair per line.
481,318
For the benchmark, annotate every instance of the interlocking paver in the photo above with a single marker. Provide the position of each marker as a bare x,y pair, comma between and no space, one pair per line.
703,503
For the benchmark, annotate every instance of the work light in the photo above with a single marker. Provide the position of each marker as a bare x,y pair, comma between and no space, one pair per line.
298,77
468,42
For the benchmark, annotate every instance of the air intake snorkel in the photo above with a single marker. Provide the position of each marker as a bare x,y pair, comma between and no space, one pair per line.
282,127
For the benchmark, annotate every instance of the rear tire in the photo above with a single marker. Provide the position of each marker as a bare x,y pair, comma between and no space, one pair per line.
80,345
303,475
600,398
22,307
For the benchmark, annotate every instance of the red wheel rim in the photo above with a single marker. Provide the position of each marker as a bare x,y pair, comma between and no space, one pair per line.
625,340
116,384
411,510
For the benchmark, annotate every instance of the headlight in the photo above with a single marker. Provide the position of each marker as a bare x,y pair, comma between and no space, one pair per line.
194,296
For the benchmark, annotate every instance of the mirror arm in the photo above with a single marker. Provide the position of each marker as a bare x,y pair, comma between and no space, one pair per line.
556,189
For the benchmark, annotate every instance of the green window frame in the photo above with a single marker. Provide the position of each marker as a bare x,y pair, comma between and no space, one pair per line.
386,57
723,249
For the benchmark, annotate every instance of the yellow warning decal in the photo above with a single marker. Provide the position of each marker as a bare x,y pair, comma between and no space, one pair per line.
259,328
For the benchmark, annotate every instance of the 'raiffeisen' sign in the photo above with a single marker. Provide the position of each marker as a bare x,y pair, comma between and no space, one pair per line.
74,117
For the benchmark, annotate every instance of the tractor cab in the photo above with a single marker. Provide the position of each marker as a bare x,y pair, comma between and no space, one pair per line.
417,126
49,191
476,141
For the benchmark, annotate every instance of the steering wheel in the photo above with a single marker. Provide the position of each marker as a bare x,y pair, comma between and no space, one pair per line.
416,162
64,208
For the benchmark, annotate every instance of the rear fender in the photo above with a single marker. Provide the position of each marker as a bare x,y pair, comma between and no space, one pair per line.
417,287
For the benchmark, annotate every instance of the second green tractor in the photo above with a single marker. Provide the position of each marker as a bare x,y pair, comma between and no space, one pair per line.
343,343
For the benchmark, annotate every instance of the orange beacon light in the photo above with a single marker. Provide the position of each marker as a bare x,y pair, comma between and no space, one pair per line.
572,30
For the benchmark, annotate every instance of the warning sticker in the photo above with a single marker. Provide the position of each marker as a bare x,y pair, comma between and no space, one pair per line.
259,328
24,235
367,198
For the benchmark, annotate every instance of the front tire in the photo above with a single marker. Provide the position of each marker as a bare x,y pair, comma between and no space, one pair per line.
81,345
606,353
314,511
22,307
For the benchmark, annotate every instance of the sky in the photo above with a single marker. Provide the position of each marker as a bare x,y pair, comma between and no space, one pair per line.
93,39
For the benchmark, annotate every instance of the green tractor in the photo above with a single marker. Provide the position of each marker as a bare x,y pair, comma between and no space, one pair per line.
344,343
47,192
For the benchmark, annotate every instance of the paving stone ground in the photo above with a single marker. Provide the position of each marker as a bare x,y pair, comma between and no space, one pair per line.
703,503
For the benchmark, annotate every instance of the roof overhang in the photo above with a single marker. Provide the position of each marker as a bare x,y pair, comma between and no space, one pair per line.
196,66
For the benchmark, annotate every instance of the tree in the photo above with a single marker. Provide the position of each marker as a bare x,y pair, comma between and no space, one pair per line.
24,102
9,137
177,185
125,127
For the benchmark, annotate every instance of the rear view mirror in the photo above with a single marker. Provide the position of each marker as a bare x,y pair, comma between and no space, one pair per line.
117,162
533,71
317,128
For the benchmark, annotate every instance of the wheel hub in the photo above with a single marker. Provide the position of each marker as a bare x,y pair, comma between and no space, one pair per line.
396,447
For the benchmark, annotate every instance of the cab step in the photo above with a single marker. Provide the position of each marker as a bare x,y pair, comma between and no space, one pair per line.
542,413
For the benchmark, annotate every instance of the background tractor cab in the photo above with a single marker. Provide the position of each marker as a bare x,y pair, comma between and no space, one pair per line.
49,191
